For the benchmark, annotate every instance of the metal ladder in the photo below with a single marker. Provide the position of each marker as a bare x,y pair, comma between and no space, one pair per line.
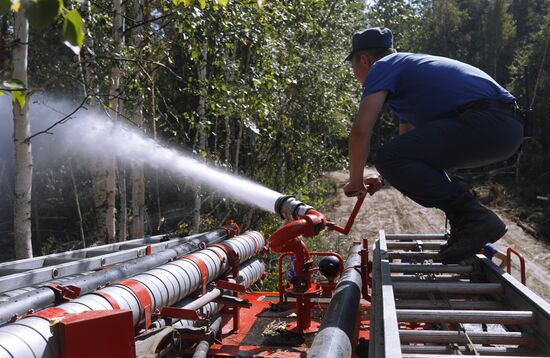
423,308
17,277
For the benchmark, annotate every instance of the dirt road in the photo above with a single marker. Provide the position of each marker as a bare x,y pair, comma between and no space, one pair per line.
389,210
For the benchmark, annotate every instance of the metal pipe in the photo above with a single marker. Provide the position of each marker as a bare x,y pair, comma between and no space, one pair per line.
44,297
204,346
337,335
251,272
145,292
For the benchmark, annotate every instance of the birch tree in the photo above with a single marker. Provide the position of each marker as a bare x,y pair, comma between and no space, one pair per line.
39,14
201,110
137,174
105,176
21,131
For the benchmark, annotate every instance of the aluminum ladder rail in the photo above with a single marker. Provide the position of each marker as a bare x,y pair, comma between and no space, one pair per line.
423,308
16,276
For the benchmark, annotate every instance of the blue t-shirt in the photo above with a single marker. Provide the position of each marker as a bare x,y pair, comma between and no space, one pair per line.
423,88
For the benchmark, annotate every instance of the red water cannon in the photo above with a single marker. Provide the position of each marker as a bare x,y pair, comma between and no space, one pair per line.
307,222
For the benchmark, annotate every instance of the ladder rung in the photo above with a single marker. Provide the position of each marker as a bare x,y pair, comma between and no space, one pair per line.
466,316
416,237
439,278
445,337
436,268
413,255
450,304
412,245
464,288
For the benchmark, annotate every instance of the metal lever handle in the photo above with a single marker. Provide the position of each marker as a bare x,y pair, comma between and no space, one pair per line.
345,230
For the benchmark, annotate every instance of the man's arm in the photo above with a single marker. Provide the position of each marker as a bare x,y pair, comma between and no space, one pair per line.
359,140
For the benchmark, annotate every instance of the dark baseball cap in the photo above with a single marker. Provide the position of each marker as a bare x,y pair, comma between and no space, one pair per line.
374,37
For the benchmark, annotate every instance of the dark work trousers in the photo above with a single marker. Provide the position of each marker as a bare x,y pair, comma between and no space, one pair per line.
415,162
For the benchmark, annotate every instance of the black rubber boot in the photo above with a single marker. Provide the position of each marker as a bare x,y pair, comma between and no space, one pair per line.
472,226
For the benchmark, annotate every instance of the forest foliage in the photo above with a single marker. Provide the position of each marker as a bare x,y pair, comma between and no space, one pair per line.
258,88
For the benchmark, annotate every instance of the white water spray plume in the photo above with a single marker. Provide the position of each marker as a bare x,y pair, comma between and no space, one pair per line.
93,135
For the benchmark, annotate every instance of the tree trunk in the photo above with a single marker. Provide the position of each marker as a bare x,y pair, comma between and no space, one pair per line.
137,174
84,67
105,179
37,244
23,150
123,214
104,198
138,185
228,133
159,218
227,145
138,201
238,144
77,203
201,110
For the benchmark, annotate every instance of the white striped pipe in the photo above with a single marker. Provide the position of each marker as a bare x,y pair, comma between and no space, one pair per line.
159,287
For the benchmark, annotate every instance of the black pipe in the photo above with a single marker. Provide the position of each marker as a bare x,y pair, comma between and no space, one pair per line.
44,297
336,337
201,351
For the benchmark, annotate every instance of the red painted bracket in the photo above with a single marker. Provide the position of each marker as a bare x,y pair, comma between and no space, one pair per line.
233,229
148,316
233,258
231,286
51,313
509,253
143,296
181,313
64,293
109,299
203,269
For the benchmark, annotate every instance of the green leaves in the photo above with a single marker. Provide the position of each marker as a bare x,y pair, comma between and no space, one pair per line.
5,6
72,31
42,13
202,3
17,89
182,2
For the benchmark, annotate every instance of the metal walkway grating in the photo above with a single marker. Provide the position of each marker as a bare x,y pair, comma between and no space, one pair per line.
423,308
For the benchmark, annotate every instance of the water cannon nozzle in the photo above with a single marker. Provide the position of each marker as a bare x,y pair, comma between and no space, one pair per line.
290,208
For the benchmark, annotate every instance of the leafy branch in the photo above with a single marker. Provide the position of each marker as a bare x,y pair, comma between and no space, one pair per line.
42,13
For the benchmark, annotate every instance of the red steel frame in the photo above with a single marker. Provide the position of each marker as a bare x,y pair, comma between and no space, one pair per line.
320,253
509,253
286,239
